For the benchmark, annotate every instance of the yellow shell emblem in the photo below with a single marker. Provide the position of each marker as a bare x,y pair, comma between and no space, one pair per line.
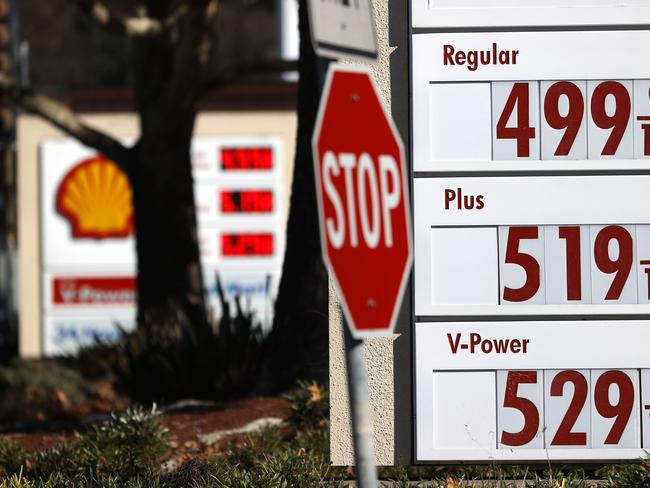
95,197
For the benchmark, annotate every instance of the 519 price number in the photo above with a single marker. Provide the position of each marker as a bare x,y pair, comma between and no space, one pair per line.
246,201
568,408
574,264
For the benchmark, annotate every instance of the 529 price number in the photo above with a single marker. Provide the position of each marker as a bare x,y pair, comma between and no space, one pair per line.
570,408
247,245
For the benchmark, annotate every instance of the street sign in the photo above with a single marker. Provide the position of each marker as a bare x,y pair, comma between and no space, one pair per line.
363,200
531,155
343,29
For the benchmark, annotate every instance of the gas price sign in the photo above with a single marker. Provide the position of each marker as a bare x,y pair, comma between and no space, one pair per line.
531,190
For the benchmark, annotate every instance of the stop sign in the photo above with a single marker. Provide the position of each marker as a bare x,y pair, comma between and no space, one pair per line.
363,200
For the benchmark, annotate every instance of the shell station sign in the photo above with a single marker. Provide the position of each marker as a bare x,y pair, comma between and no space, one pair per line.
95,198
87,244
531,190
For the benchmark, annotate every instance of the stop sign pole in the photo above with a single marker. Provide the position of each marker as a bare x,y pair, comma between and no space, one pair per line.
365,227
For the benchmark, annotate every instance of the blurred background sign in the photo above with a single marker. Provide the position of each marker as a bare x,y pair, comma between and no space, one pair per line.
242,158
89,263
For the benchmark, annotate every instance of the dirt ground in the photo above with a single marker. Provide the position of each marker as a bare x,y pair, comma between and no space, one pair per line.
186,424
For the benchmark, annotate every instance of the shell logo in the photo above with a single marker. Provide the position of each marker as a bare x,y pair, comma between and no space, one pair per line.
95,197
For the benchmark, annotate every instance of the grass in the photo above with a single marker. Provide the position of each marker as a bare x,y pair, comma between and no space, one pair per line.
128,450
129,446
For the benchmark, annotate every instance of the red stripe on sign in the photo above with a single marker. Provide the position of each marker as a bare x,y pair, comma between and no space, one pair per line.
237,245
93,291
242,158
246,201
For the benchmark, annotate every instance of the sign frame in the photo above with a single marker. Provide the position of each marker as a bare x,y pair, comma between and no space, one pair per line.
635,13
514,21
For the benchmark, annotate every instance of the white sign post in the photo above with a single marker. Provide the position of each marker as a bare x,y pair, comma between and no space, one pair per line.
531,152
343,29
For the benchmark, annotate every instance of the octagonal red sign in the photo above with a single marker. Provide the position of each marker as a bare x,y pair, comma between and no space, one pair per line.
363,200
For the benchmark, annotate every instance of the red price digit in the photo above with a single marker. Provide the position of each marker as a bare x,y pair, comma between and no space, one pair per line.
564,435
523,132
573,278
622,410
572,120
526,261
524,405
621,265
619,120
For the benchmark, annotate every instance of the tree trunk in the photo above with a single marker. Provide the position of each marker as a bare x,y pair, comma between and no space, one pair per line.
171,355
298,343
167,78
169,268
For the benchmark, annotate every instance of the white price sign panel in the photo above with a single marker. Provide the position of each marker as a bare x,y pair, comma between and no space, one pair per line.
531,159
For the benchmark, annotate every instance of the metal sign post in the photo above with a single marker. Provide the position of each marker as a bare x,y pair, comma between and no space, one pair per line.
364,453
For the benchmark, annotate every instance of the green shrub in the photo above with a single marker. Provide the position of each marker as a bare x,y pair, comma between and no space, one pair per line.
635,475
33,390
175,359
278,457
22,374
288,468
127,452
129,446
13,457
17,481
247,453
192,472
84,480
61,459
309,405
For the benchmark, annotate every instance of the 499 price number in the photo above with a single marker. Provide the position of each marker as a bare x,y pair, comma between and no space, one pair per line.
571,119
569,408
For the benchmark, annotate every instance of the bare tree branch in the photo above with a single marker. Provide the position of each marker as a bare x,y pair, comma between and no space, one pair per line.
64,118
194,47
139,26
211,12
